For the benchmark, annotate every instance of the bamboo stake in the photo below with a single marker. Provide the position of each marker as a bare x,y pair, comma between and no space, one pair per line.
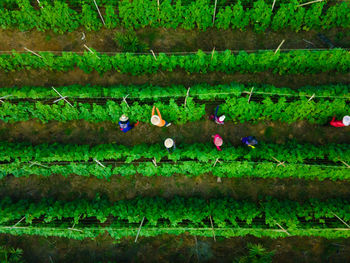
36,54
278,48
62,97
39,4
282,228
4,97
309,42
36,163
187,94
250,94
154,55
91,51
154,161
279,162
273,5
212,226
124,99
99,163
195,238
18,222
345,164
313,96
216,161
341,220
138,232
308,3
216,1
98,10
74,229
212,53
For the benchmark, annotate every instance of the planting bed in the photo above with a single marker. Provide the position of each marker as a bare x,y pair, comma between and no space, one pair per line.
278,71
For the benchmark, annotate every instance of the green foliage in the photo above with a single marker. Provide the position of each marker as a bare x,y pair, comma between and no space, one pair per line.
178,215
188,160
56,15
129,42
10,255
292,62
256,254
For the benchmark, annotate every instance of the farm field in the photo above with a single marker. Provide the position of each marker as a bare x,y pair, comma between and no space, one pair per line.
174,131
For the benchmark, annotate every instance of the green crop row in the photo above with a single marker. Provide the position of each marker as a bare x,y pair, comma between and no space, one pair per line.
235,107
230,169
291,152
122,218
59,17
160,93
292,62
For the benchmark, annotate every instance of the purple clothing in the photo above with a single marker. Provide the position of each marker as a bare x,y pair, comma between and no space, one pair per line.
250,140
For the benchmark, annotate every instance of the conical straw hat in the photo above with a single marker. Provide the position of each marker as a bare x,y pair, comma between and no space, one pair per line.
155,120
123,118
346,120
168,143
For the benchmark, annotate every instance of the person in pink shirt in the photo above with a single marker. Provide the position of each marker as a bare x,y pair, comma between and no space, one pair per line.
342,123
217,141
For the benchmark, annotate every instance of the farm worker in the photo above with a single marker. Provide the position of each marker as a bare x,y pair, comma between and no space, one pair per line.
125,125
157,119
342,123
250,141
217,141
169,144
216,118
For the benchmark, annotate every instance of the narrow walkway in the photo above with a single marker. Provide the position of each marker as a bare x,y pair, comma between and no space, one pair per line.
82,132
205,186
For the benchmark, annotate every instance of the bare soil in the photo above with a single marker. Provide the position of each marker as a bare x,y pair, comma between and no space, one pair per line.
77,76
171,40
83,132
205,186
182,248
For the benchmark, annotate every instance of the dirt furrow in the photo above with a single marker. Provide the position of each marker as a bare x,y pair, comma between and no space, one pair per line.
171,40
82,132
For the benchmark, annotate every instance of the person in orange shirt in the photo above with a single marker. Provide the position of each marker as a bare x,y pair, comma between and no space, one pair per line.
157,119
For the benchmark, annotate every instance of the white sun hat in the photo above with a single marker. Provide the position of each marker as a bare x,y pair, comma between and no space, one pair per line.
123,118
155,120
222,118
346,120
168,143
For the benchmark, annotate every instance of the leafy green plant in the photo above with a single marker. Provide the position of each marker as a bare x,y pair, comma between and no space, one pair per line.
256,254
129,42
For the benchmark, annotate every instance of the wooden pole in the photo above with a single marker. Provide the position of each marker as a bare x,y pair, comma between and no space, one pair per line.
154,161
62,97
98,10
19,221
187,94
216,1
99,163
212,53
4,97
90,51
273,5
38,164
309,3
216,161
36,54
279,162
250,94
212,227
154,55
309,42
39,4
124,99
278,48
138,232
345,164
341,220
282,228
313,96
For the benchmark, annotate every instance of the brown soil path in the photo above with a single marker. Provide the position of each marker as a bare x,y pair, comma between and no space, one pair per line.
171,40
181,248
77,76
82,132
204,186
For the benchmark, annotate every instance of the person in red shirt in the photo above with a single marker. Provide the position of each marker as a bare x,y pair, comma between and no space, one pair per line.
342,123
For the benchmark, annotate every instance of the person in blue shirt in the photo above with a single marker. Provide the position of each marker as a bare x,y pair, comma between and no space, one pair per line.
125,125
250,141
